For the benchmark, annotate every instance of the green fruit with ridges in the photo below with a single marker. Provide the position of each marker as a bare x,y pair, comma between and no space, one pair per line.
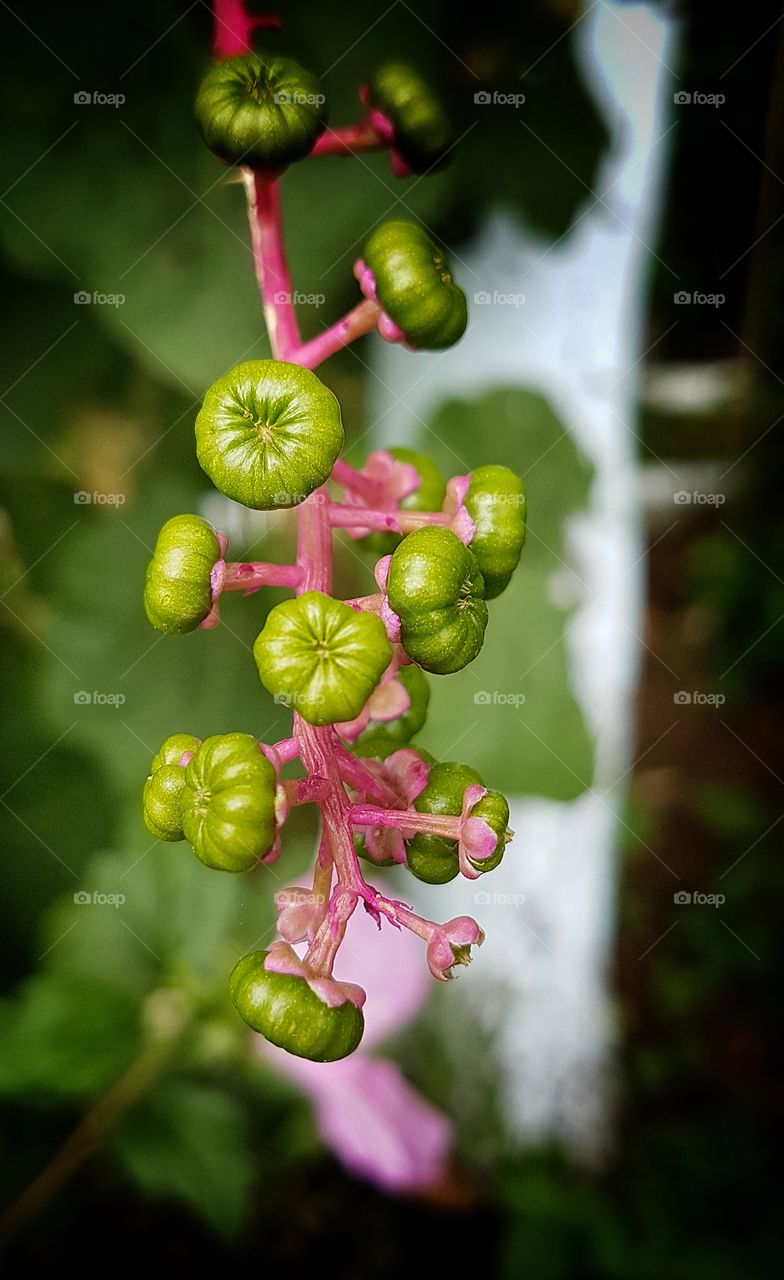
173,748
321,657
434,858
494,810
423,133
268,434
229,802
178,589
436,589
162,801
496,503
402,730
287,1012
414,285
260,112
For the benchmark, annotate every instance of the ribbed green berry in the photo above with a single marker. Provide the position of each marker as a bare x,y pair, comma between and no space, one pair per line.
402,730
414,285
321,657
177,589
228,803
423,133
162,800
434,858
428,496
436,589
494,810
173,748
268,433
264,112
496,503
288,1013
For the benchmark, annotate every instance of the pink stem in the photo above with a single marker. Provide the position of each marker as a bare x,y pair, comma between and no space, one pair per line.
350,478
361,320
358,776
310,790
435,824
287,749
262,191
348,140
345,516
233,26
253,575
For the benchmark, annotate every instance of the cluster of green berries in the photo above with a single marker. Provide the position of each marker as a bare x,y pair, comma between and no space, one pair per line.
269,435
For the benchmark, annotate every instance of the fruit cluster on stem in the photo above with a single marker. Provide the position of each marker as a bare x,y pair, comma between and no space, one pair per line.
269,435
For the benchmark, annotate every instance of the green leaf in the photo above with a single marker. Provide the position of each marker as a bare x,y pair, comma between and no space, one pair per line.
65,1036
540,745
188,1141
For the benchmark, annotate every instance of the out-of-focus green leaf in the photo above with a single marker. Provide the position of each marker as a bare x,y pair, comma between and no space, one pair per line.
187,1141
540,745
65,1036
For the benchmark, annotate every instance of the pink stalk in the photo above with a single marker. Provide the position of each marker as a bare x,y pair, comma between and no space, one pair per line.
233,26
358,776
344,516
305,790
361,320
262,191
287,749
356,481
253,575
348,140
434,824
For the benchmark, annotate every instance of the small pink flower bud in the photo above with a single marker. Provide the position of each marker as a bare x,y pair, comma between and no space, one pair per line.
451,944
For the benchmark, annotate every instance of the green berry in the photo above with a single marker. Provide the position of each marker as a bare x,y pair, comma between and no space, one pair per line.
172,749
268,433
423,133
414,285
229,802
436,589
400,731
434,858
284,1009
428,496
260,112
321,657
162,800
494,810
496,503
177,588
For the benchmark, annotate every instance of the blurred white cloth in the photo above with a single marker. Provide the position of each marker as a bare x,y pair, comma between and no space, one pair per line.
578,340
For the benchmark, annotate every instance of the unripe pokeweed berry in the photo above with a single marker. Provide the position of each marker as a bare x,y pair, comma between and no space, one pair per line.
284,1009
422,131
428,496
321,657
434,858
268,433
162,801
228,804
260,112
436,589
494,810
173,748
496,503
402,730
177,588
414,285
